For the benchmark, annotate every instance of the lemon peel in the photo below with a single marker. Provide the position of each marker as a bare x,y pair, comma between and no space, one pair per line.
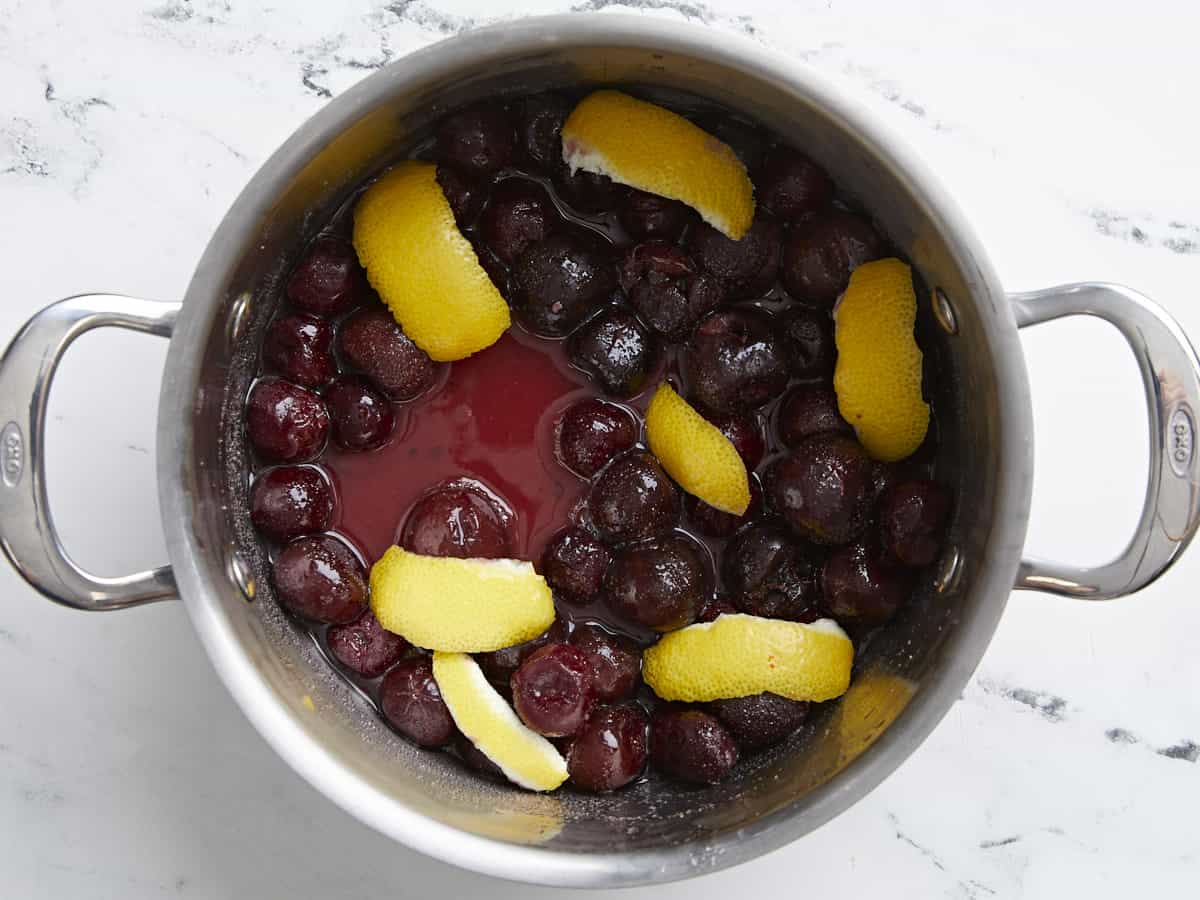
878,373
695,453
738,655
524,756
466,605
653,149
424,269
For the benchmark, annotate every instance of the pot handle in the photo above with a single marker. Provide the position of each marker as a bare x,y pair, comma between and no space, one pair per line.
1171,375
26,528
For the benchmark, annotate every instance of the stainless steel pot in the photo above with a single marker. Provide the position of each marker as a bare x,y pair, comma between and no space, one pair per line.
908,677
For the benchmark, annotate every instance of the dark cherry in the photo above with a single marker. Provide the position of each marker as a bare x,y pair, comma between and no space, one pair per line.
820,254
651,217
574,565
615,350
412,703
659,584
733,361
476,758
610,751
477,141
806,337
552,690
289,501
691,745
328,280
633,498
824,488
913,520
809,409
587,192
712,522
539,130
616,662
298,347
760,720
320,578
769,573
591,432
465,195
285,422
746,436
666,288
363,646
459,519
746,268
499,665
746,141
375,344
791,185
558,282
362,417
861,587
713,607
518,215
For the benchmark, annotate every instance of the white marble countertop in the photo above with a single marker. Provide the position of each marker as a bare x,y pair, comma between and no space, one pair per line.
1068,132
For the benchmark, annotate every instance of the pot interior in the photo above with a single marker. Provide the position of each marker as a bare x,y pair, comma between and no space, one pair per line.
905,677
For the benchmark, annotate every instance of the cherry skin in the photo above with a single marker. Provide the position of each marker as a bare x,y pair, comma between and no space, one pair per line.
611,749
691,745
320,578
412,703
552,690
289,501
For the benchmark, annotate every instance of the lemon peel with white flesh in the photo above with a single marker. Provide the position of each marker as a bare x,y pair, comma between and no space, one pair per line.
524,756
650,148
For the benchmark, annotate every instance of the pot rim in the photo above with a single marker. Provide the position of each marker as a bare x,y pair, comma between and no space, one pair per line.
199,577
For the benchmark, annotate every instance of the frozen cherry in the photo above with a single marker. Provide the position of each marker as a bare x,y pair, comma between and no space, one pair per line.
373,342
616,662
458,519
518,215
590,433
806,337
558,282
363,646
412,703
285,422
328,279
912,520
465,195
610,751
362,417
667,289
320,578
712,522
768,573
746,268
539,130
574,565
714,607
651,217
809,409
733,361
791,185
477,141
691,745
746,436
659,584
476,758
298,348
616,351
861,587
586,191
824,488
552,690
820,254
289,501
760,720
633,498
499,665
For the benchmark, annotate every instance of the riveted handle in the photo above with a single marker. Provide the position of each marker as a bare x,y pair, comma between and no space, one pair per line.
1171,375
27,532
